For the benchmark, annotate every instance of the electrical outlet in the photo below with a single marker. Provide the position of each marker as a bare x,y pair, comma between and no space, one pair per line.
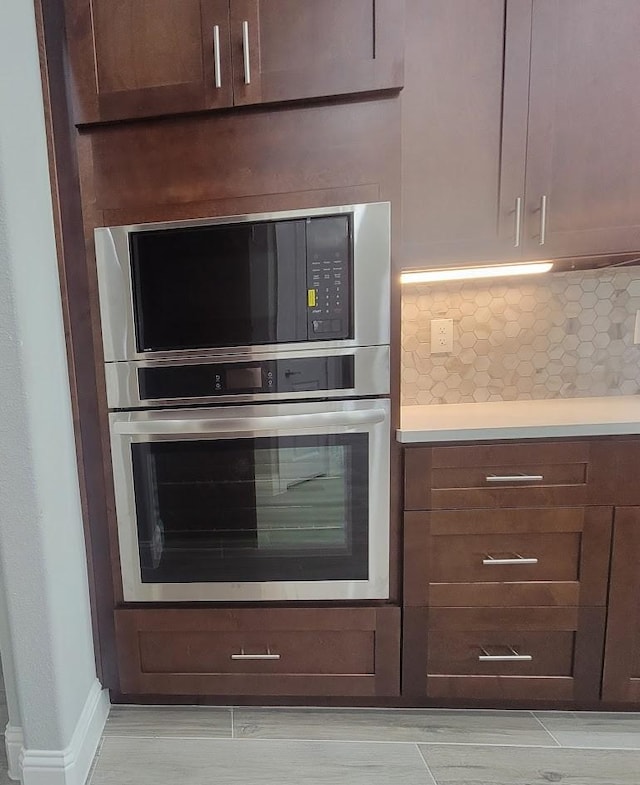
441,336
636,329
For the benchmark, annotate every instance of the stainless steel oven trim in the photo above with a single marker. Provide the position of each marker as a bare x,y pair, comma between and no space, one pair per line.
371,286
371,416
371,373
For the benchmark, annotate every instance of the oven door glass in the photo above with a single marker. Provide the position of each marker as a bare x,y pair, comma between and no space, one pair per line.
273,501
259,509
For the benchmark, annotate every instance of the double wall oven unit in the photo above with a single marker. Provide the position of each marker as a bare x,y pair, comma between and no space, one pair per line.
247,370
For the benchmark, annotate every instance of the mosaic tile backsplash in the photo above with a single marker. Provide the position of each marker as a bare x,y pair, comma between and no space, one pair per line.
560,335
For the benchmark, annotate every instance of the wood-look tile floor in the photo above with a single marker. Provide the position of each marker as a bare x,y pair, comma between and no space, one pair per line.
256,746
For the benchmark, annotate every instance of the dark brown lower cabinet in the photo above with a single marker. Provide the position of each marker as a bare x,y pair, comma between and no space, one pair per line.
553,654
505,604
271,651
621,682
522,574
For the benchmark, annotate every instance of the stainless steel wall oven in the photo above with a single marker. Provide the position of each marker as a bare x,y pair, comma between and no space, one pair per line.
247,367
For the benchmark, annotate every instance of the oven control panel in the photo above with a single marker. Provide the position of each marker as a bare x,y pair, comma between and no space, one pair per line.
207,380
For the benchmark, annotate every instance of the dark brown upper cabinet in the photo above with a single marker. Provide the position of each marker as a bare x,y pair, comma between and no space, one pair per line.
583,153
136,58
519,131
140,58
463,163
287,50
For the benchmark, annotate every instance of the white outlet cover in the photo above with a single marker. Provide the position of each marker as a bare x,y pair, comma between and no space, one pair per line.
441,336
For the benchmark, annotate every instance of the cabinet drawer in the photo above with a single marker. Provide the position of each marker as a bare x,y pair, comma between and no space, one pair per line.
501,653
536,654
507,557
342,651
498,475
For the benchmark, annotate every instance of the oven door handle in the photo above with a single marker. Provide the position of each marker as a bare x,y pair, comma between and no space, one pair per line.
280,422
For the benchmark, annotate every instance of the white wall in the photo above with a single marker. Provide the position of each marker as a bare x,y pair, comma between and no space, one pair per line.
42,556
8,670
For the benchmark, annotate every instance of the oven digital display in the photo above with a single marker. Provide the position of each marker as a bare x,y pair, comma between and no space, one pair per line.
244,378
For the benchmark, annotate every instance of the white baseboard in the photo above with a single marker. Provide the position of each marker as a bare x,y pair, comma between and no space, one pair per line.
70,766
13,742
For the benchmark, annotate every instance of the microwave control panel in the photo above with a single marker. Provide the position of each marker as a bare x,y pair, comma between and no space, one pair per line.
329,278
208,380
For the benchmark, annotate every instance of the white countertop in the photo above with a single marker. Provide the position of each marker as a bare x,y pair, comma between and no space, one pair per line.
520,419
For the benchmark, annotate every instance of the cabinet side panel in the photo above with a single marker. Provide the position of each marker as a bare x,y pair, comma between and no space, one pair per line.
622,652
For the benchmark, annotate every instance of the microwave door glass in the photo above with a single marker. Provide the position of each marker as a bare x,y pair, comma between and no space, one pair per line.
291,508
210,287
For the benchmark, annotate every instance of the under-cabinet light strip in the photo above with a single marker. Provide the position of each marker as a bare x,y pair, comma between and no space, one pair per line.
462,273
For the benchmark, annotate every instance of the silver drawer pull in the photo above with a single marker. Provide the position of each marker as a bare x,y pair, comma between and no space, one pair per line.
243,656
514,477
513,657
517,559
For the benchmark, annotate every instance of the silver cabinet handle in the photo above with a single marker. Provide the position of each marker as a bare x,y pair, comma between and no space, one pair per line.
267,656
245,52
543,219
513,657
514,477
216,55
515,560
518,222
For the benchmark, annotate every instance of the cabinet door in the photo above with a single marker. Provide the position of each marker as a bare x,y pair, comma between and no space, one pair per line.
622,651
463,158
137,58
285,50
584,148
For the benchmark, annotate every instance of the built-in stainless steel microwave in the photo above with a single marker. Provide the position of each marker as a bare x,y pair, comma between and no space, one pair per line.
266,282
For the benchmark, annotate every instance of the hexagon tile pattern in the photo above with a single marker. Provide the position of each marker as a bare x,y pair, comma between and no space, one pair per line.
564,335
